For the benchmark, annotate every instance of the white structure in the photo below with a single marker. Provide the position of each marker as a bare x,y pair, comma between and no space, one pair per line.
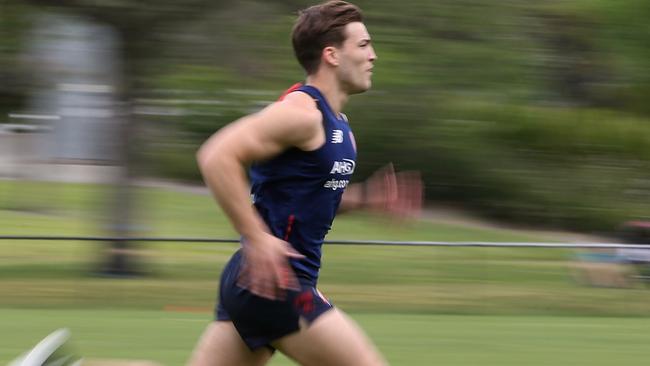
69,130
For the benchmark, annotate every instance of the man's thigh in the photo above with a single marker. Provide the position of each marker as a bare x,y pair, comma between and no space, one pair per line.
332,339
221,345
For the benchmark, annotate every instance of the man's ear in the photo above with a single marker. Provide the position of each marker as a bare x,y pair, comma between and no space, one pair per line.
330,55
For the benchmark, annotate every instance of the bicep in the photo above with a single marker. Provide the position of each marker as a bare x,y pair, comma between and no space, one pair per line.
251,139
262,135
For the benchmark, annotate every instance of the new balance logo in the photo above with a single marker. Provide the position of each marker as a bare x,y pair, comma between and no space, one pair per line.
337,136
345,167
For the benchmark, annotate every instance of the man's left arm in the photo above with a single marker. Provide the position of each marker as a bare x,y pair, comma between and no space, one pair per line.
397,194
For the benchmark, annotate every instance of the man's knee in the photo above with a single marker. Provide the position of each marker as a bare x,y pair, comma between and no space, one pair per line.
333,339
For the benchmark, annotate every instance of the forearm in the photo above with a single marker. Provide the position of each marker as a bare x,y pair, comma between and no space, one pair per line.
354,198
226,178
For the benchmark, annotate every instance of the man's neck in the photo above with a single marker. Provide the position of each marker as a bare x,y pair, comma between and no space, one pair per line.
331,89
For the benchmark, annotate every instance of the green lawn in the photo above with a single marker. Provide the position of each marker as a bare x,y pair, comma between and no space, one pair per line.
405,339
423,306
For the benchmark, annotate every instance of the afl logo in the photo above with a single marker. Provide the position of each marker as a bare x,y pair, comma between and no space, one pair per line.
344,167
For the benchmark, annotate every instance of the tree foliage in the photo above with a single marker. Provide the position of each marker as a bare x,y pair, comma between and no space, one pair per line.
534,112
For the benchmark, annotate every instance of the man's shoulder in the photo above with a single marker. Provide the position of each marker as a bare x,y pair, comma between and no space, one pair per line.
295,120
302,107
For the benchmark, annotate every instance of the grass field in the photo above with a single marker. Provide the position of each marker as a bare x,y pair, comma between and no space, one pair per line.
423,306
405,339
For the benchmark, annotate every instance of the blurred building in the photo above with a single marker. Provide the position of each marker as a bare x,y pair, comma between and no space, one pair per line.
68,132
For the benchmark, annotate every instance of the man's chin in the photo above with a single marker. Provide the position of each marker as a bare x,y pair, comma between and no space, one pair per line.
356,88
360,89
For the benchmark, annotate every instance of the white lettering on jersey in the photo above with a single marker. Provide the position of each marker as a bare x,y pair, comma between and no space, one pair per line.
335,184
345,167
337,136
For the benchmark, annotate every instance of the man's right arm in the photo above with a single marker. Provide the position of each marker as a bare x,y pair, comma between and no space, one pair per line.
223,160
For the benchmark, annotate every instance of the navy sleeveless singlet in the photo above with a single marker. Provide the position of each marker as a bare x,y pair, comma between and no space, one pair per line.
297,193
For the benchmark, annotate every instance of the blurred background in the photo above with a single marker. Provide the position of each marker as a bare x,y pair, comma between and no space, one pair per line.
529,121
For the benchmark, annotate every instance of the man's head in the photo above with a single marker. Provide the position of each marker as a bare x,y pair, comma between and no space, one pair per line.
333,33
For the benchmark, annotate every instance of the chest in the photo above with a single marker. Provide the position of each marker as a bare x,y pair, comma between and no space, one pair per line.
337,157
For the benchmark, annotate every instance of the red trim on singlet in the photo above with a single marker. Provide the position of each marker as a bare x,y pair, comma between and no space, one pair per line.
291,89
289,227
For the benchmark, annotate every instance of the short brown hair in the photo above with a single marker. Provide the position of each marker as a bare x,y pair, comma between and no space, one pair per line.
320,26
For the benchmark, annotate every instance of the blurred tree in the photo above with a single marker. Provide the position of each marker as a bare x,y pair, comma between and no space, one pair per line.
12,90
528,111
137,25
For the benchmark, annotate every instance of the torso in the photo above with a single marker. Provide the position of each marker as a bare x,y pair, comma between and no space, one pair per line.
298,192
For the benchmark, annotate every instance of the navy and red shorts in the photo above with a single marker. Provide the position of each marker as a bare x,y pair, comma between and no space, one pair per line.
258,320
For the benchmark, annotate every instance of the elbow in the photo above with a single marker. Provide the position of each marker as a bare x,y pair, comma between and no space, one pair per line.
205,157
214,157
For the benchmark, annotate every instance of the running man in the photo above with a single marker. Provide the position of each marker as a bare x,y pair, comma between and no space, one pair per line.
301,154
